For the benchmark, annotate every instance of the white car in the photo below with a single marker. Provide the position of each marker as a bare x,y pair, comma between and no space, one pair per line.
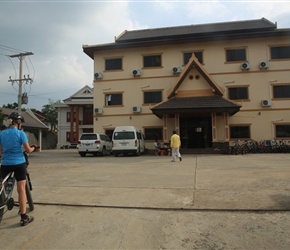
94,143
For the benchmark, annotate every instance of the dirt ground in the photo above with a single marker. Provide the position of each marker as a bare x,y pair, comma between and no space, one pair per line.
57,227
112,203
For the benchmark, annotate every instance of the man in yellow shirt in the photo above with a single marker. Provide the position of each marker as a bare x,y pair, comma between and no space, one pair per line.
175,145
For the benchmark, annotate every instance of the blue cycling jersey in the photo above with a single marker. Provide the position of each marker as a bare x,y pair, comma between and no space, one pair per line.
11,140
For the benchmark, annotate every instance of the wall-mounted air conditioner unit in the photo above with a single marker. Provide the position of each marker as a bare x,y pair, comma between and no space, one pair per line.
136,72
266,103
98,75
98,111
264,65
245,65
176,70
136,109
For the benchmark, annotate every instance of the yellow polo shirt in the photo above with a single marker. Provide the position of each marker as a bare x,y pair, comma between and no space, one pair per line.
175,141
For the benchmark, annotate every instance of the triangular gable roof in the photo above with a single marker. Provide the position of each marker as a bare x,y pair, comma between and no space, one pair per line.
193,62
84,93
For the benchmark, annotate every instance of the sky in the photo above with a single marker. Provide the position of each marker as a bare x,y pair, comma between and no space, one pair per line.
54,31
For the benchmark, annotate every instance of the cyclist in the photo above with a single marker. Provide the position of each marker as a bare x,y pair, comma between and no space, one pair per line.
11,142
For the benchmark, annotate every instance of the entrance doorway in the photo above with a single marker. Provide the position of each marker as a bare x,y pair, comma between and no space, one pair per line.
196,132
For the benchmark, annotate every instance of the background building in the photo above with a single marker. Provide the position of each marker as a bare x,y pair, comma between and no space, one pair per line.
75,116
213,83
35,130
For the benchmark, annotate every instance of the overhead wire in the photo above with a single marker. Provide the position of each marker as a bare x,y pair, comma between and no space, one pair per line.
4,47
5,92
55,92
32,68
13,66
30,82
14,50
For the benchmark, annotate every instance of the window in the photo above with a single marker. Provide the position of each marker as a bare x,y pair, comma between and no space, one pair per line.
238,93
153,134
236,55
152,97
105,138
282,91
282,131
89,137
113,64
282,52
152,61
113,99
126,135
187,56
140,136
240,132
88,130
68,117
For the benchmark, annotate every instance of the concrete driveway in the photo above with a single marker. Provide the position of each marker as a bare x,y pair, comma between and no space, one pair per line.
149,202
198,182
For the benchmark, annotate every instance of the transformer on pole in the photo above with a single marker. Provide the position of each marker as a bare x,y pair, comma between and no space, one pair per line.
21,98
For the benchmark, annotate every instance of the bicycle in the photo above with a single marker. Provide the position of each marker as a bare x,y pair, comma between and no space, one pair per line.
7,185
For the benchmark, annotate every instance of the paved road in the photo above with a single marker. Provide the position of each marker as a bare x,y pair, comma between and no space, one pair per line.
149,202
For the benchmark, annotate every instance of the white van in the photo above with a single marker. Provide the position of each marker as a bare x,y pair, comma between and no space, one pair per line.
128,140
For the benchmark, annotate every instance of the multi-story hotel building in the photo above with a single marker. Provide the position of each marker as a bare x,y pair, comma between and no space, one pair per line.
212,83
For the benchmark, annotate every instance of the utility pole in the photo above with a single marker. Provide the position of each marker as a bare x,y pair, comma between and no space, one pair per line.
20,80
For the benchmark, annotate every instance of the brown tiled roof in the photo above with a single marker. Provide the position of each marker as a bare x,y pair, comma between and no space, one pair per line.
198,104
31,121
190,33
224,27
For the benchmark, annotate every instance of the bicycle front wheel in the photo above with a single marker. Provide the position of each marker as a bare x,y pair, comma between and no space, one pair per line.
29,197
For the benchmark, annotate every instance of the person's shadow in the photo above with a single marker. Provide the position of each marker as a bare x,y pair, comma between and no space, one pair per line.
4,225
282,200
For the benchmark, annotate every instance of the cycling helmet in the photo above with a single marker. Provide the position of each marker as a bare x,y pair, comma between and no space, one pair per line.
14,116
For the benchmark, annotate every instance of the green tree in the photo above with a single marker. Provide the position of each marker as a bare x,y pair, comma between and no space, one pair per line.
12,106
51,114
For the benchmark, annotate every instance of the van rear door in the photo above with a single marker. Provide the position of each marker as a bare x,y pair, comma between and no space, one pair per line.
124,139
141,142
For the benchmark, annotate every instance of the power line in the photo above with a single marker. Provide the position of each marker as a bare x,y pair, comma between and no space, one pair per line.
3,91
22,98
32,67
4,47
55,92
12,65
39,95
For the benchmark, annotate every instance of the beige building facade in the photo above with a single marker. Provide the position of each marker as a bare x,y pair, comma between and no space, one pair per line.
212,83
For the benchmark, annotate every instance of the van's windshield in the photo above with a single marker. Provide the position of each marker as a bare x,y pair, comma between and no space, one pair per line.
124,135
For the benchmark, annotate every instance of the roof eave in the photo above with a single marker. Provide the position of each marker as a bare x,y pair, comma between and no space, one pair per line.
160,112
89,50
